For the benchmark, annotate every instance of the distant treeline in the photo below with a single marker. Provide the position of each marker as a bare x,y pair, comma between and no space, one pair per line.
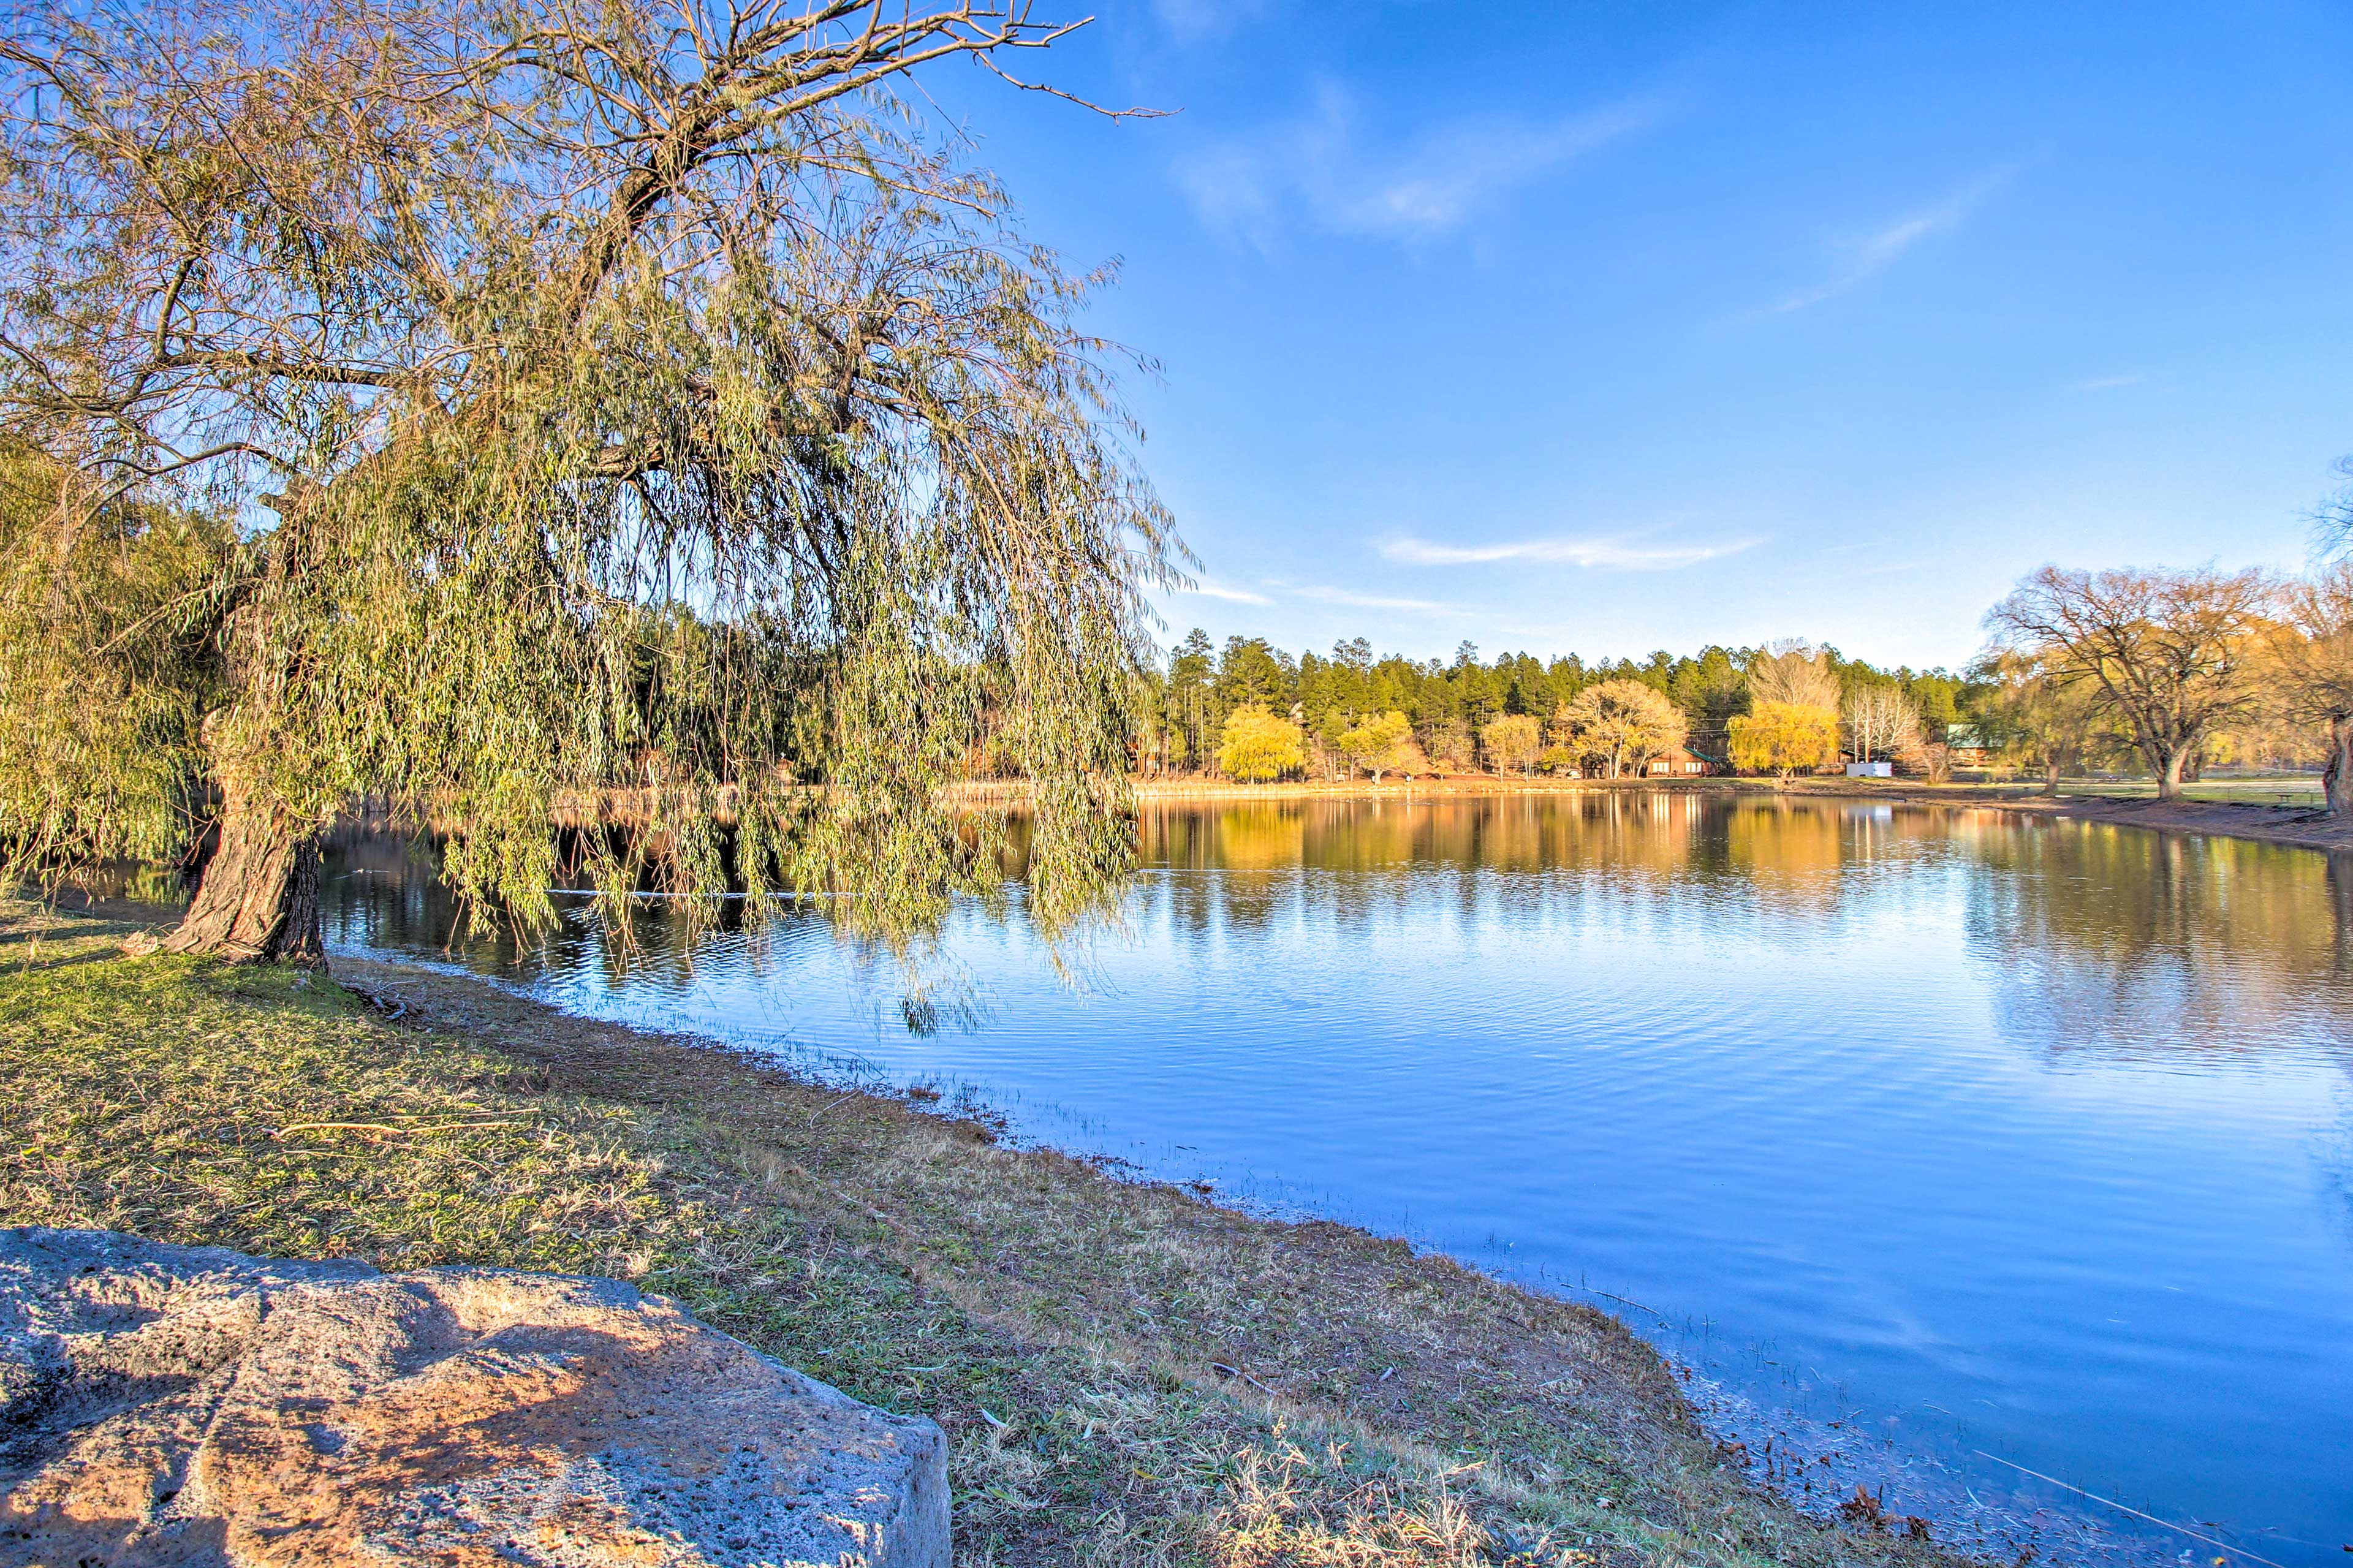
1451,704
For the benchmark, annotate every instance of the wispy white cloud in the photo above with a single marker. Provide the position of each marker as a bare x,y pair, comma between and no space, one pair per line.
1870,255
1208,590
2106,382
1376,601
1593,552
1320,166
1190,22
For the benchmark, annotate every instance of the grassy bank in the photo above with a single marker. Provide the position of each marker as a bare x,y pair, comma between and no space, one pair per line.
1129,1373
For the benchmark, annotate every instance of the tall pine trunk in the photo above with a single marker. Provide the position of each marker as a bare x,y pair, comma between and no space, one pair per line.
257,901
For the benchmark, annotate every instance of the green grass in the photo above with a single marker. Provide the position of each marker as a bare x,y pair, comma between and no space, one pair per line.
2286,789
1066,1327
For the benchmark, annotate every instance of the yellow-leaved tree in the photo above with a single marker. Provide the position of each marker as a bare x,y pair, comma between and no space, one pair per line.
1513,742
1781,738
1383,743
1259,744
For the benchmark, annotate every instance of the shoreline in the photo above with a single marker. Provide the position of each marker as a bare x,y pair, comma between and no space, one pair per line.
2293,827
870,1238
2299,827
1763,1446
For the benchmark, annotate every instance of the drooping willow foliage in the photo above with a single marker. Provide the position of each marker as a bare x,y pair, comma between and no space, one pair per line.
619,415
107,668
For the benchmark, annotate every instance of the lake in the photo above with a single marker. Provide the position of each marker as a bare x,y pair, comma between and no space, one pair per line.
1938,1142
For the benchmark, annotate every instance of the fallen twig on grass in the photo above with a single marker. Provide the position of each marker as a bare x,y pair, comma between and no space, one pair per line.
828,1105
1222,1370
380,1129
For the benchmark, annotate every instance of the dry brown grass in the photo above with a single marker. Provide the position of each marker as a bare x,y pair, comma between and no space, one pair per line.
1131,1377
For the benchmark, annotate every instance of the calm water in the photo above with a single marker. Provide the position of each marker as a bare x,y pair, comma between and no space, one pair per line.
1932,1135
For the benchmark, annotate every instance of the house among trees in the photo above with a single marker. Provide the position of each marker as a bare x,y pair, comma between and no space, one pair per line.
1965,746
1678,761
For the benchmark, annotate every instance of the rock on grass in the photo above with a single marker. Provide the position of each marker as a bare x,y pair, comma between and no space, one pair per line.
170,1404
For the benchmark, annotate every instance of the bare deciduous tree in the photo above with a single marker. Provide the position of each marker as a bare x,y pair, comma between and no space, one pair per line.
1623,724
2044,719
1880,720
647,410
1793,670
2169,652
2313,647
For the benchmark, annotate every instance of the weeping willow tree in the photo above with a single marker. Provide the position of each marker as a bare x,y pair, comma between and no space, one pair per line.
531,413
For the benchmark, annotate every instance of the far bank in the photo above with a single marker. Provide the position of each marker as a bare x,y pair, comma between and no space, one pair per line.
2294,827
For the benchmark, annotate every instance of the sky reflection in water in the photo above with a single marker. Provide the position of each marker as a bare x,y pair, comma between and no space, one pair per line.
1980,1132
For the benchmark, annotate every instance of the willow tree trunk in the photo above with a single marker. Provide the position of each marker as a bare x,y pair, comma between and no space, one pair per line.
257,898
2169,778
258,902
2338,777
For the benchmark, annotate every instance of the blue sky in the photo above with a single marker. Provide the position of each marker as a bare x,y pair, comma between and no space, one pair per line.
1601,328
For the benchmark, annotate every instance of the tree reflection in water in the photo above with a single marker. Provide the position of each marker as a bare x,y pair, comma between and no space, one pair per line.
2140,946
2103,939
